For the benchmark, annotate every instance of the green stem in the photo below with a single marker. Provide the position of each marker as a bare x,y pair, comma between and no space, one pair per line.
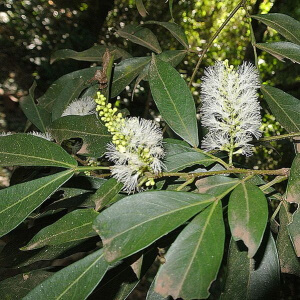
217,159
274,181
189,181
276,211
90,168
211,40
252,36
282,172
278,137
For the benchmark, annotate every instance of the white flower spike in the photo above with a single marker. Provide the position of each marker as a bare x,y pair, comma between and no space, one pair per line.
46,135
80,107
230,108
136,147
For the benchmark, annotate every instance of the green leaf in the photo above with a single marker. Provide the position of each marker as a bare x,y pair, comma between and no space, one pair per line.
28,150
18,201
293,188
70,198
12,256
141,36
194,259
76,281
293,229
36,114
76,225
248,215
106,193
174,100
173,57
285,25
284,107
289,263
64,90
93,54
216,185
179,157
175,30
282,50
15,288
93,133
141,8
252,279
125,72
136,221
152,295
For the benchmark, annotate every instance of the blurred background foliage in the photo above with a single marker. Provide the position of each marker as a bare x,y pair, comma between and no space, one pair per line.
33,29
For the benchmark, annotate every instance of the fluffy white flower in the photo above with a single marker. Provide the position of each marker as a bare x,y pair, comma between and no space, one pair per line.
80,107
5,133
230,108
138,149
46,135
136,146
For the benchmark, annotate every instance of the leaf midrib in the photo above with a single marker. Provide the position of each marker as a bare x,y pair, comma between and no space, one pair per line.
143,42
162,215
198,243
40,158
79,277
296,125
42,187
271,21
40,242
172,102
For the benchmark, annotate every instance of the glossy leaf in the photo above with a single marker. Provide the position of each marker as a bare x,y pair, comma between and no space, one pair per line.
76,225
64,90
293,188
106,193
284,107
175,30
248,215
18,201
173,57
141,8
284,24
136,221
28,150
125,72
36,114
93,54
152,295
179,157
282,50
15,288
194,259
216,185
70,198
174,100
141,36
252,279
89,128
76,281
289,263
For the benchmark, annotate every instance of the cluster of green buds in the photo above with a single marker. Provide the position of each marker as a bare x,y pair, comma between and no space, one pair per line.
136,146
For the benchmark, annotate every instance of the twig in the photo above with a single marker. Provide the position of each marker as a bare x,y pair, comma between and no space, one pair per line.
240,4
